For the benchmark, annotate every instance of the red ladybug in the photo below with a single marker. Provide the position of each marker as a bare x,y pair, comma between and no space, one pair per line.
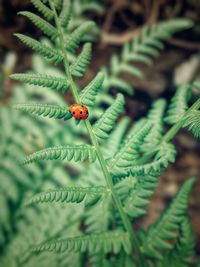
79,111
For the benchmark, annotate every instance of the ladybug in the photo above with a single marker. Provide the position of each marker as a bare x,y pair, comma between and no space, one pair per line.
79,111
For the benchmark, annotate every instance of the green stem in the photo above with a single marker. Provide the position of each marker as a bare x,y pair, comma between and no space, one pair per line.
108,178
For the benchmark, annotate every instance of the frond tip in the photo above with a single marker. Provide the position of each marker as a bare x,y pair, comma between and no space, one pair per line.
45,110
73,194
71,152
102,242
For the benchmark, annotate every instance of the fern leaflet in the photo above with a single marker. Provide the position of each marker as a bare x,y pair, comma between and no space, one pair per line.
178,105
66,12
89,93
104,242
42,24
106,122
76,36
70,194
47,52
165,155
46,110
192,121
47,12
71,152
181,254
80,65
55,83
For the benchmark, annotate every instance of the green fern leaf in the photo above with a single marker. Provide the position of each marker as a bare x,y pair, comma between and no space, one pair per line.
192,121
66,12
89,93
178,105
155,117
71,152
129,151
134,193
114,142
167,225
104,242
70,194
55,83
142,49
76,36
47,52
106,122
166,154
183,251
46,110
47,12
80,65
43,25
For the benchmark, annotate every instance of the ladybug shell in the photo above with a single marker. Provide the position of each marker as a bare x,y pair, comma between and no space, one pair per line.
79,111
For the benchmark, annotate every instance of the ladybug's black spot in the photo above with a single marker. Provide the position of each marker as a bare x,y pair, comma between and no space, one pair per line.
74,112
82,106
81,112
80,118
86,112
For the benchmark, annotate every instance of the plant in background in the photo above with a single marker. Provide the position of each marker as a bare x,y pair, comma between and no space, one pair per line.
121,169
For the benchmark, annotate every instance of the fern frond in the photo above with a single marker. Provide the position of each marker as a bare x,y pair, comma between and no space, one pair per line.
66,13
46,51
134,193
76,36
178,105
165,155
155,117
47,12
106,122
183,251
42,24
128,154
73,194
55,83
104,242
192,121
45,110
142,49
80,65
71,152
155,240
89,93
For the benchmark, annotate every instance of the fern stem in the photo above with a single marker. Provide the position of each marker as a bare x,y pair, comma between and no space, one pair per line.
108,178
